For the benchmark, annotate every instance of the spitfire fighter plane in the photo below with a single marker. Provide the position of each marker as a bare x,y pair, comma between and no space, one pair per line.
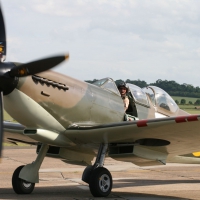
76,121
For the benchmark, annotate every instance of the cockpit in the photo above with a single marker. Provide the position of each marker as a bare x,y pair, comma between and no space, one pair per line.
108,84
138,94
161,99
138,102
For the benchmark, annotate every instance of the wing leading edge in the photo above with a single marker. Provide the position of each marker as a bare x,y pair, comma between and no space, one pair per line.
148,142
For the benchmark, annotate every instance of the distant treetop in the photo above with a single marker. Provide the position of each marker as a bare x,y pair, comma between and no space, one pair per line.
171,87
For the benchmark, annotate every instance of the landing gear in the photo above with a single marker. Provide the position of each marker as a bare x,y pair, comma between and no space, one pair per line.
21,186
98,177
87,174
25,177
101,182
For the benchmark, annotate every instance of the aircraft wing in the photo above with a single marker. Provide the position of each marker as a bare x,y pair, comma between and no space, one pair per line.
173,135
13,132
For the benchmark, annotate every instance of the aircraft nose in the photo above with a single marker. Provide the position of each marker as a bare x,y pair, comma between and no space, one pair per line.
7,83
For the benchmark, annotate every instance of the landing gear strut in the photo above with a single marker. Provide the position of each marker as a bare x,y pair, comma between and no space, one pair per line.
98,177
25,177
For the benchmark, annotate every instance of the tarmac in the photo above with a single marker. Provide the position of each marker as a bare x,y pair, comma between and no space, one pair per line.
59,180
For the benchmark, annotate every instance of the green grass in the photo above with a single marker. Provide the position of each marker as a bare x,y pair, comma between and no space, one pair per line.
192,111
186,98
188,108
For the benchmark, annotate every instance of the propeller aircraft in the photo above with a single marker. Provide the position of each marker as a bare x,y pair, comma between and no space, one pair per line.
76,121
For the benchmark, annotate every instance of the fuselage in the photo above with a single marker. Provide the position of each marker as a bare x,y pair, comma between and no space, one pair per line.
53,101
69,101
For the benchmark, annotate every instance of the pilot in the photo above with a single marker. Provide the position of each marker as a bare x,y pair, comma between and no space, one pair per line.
123,89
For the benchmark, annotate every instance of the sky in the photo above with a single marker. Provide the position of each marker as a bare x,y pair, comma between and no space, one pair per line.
121,39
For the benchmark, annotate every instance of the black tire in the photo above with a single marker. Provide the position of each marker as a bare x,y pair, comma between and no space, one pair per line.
100,182
87,173
21,186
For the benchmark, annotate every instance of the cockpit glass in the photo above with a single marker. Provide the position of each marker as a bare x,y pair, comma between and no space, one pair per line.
100,82
111,86
108,84
138,94
150,94
163,100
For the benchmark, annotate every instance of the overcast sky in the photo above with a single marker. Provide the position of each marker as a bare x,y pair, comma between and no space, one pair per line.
121,39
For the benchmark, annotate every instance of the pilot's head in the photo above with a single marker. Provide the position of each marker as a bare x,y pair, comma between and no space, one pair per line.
123,89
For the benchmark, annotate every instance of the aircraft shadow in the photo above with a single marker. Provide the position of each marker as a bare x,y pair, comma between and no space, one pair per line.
74,192
143,182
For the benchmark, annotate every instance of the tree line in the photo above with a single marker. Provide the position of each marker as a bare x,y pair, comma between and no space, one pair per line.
171,87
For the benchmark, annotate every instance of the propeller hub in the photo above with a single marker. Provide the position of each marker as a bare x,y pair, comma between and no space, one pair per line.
7,83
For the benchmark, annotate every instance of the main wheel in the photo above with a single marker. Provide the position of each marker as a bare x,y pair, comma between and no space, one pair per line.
87,173
100,182
21,186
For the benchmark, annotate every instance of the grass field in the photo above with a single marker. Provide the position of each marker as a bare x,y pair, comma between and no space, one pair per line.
186,98
188,108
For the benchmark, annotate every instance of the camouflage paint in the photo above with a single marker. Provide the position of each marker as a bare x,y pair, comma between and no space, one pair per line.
82,104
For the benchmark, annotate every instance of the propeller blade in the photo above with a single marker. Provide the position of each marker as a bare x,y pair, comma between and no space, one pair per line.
36,67
2,37
1,123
